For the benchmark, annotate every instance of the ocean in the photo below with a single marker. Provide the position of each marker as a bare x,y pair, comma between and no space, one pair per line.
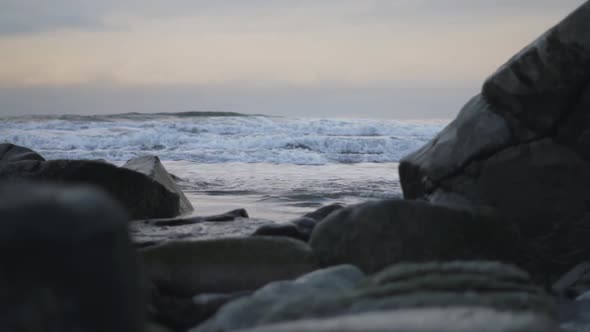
277,168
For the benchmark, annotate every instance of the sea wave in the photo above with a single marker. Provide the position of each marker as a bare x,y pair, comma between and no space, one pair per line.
216,139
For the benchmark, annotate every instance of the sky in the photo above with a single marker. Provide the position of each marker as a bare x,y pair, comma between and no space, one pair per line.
310,58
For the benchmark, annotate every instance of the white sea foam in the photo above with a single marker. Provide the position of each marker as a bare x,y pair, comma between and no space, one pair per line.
220,139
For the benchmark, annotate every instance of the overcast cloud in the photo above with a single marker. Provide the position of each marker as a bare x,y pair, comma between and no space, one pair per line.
365,58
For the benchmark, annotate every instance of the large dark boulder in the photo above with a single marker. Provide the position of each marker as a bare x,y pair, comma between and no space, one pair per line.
141,196
66,262
377,234
538,87
10,153
152,167
521,148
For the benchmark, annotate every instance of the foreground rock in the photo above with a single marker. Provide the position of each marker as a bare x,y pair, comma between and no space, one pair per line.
225,265
574,283
182,313
377,234
153,168
11,153
67,261
249,311
340,292
423,320
141,196
521,147
574,315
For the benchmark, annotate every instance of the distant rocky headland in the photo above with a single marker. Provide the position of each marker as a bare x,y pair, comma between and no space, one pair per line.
491,235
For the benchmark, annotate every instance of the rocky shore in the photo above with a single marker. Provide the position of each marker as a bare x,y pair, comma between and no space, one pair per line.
491,234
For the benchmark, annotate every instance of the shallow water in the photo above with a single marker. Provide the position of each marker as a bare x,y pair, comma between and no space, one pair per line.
280,192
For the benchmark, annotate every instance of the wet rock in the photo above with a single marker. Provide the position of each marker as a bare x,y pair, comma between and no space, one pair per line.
189,220
321,213
225,265
67,261
377,234
141,196
11,153
285,230
300,228
146,234
153,168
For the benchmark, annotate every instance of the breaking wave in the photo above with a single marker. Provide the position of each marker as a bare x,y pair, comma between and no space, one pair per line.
216,139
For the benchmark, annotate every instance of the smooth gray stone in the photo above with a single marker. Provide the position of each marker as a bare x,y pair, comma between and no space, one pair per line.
247,311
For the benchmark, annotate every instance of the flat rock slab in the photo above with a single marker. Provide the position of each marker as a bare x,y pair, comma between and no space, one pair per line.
225,265
423,320
146,234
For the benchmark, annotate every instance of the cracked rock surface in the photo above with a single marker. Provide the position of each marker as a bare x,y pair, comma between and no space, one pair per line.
522,147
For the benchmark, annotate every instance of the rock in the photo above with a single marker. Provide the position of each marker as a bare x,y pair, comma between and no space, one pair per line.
11,153
300,228
67,261
189,220
182,313
321,213
142,197
225,265
436,286
146,234
247,311
286,230
574,315
152,167
377,234
521,148
574,283
423,320
538,85
541,188
477,130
